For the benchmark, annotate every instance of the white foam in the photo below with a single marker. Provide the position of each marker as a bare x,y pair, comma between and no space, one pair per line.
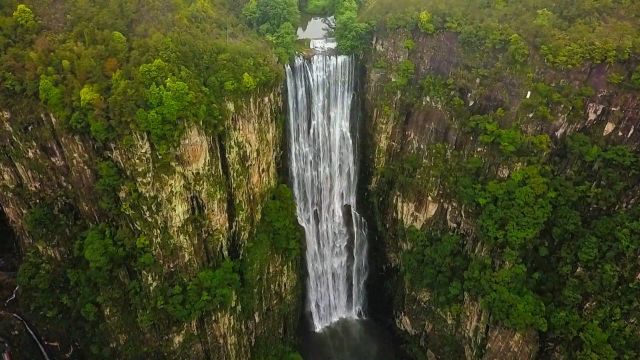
324,172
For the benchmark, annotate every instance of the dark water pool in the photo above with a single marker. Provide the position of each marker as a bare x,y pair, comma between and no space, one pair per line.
349,340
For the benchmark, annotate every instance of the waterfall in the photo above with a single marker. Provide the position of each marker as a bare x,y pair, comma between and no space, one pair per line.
324,171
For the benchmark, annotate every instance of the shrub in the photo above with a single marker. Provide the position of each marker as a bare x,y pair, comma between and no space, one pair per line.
517,50
409,44
425,22
108,185
635,78
51,95
210,290
435,262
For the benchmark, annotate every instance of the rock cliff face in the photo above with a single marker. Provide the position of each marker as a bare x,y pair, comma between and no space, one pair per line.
400,123
39,159
196,210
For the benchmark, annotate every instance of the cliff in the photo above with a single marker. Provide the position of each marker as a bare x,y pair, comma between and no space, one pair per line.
420,90
193,213
139,168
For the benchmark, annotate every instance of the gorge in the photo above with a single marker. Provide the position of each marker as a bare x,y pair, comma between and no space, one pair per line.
447,180
323,137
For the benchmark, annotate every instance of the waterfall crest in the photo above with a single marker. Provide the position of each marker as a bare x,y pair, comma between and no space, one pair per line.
324,171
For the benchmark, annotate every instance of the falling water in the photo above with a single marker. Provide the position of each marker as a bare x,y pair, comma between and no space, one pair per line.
323,166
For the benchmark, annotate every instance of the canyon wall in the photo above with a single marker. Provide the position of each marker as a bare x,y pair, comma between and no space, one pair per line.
193,212
406,119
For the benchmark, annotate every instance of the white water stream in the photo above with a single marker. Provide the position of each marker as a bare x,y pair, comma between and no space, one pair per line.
324,171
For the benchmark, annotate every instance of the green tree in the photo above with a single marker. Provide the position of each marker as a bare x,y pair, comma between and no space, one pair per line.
118,44
515,211
51,95
544,18
321,7
209,290
154,73
435,262
351,34
248,82
511,301
517,50
275,19
167,104
268,15
284,40
108,185
100,129
99,250
89,95
24,17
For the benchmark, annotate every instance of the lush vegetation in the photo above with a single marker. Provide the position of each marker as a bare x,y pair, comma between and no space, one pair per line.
352,34
106,72
277,233
278,227
557,251
557,238
277,240
108,265
566,34
277,20
549,238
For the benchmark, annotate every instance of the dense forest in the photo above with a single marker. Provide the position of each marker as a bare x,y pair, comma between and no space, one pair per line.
531,153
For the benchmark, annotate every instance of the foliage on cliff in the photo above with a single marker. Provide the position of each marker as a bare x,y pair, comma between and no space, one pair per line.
107,266
277,242
548,238
560,248
565,34
558,236
107,69
114,74
277,233
277,20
